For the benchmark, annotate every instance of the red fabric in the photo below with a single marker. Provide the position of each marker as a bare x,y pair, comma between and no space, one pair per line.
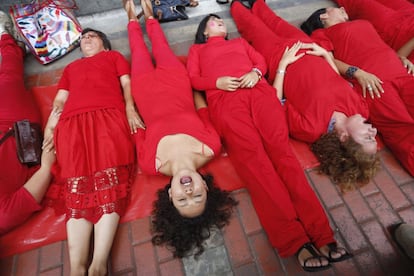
403,5
253,127
308,86
354,42
94,148
44,96
164,96
16,103
243,63
93,83
396,28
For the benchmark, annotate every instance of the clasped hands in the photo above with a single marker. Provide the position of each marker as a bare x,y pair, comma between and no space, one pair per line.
231,84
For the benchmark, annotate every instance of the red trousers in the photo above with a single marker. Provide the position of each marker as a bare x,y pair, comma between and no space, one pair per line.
253,126
16,203
396,27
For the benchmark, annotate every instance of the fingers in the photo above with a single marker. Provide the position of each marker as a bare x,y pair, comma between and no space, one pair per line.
374,89
135,124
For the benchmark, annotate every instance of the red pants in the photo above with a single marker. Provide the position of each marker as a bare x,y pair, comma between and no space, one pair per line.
253,126
396,27
16,203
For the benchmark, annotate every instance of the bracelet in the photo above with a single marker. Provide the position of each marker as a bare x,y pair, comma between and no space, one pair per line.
258,72
351,71
281,72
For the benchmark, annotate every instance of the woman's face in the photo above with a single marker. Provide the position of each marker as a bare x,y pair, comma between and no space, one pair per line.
91,44
215,27
334,16
362,132
188,193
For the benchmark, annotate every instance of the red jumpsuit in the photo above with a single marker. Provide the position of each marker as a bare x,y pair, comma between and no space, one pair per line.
94,147
253,126
310,99
16,103
396,28
164,96
357,43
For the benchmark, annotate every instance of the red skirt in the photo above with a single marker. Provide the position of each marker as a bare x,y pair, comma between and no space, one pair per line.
95,165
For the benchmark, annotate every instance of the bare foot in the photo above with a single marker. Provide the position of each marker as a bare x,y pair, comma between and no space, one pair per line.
129,7
193,3
147,9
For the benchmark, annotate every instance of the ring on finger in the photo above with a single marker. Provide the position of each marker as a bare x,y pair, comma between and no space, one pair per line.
250,84
369,87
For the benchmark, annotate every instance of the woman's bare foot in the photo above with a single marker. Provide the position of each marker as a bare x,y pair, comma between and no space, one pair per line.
193,3
129,7
147,9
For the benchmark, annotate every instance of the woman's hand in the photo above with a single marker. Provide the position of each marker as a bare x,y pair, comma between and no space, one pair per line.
369,82
228,83
289,56
314,49
134,120
249,80
407,64
48,144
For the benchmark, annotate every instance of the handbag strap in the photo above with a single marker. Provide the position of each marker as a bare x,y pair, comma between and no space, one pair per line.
6,135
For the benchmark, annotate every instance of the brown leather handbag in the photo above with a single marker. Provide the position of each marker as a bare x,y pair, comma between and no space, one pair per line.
28,141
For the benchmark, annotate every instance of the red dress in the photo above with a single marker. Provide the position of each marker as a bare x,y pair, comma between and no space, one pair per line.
253,126
164,96
396,27
16,103
94,148
357,43
312,89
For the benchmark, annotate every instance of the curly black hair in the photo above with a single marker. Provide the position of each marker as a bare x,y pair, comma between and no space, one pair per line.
182,234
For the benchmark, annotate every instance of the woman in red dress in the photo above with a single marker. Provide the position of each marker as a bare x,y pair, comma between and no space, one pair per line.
94,149
370,63
333,120
178,139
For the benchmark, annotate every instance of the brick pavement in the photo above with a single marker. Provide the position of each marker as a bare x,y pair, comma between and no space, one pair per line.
361,217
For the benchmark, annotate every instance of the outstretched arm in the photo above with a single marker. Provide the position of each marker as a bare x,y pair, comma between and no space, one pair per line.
134,120
39,182
58,104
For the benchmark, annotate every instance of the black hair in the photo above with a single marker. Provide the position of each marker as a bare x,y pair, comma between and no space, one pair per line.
102,36
182,234
314,22
200,38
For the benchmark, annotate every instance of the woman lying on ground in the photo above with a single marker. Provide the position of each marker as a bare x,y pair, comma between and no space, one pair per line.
369,64
321,107
22,187
252,124
177,141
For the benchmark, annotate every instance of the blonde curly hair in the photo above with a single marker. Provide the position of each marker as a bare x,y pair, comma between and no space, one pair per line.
345,162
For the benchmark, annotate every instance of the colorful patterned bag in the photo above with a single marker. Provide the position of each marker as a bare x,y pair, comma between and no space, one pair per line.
49,27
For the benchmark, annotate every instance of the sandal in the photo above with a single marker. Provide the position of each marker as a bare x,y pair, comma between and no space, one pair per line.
223,1
315,255
333,247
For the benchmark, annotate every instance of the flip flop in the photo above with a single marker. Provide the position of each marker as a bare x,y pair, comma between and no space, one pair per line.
223,1
315,255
